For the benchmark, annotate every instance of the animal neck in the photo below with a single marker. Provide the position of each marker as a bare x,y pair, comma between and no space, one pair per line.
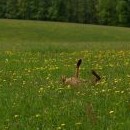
77,72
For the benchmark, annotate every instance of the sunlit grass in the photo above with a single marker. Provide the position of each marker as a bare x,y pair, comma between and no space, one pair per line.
36,36
32,96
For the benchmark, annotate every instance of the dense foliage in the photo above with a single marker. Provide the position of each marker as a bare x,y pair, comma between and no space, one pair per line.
107,12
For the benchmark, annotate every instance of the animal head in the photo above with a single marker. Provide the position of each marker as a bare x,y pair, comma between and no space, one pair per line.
63,78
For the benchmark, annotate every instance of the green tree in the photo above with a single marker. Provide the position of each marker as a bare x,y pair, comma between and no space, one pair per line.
2,8
80,11
43,9
91,11
123,12
128,12
33,9
70,10
52,10
107,12
22,9
11,9
61,10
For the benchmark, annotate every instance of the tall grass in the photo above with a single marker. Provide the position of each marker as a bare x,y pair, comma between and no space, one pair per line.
33,57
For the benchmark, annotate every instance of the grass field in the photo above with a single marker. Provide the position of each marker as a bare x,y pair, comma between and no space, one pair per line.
34,55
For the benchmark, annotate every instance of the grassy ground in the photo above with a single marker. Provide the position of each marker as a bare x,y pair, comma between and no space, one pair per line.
33,57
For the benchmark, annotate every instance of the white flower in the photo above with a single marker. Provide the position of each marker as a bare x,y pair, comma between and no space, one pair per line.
110,112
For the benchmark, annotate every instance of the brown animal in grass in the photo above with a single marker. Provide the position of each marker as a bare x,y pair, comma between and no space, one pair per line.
75,80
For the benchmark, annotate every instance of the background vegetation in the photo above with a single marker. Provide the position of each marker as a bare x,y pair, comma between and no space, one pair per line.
107,12
55,36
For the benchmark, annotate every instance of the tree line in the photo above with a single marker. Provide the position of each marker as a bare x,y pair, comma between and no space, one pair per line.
104,12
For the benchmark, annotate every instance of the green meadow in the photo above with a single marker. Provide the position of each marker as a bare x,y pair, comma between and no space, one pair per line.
33,57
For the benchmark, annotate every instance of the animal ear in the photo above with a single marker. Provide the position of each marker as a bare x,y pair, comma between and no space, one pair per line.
96,75
79,62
